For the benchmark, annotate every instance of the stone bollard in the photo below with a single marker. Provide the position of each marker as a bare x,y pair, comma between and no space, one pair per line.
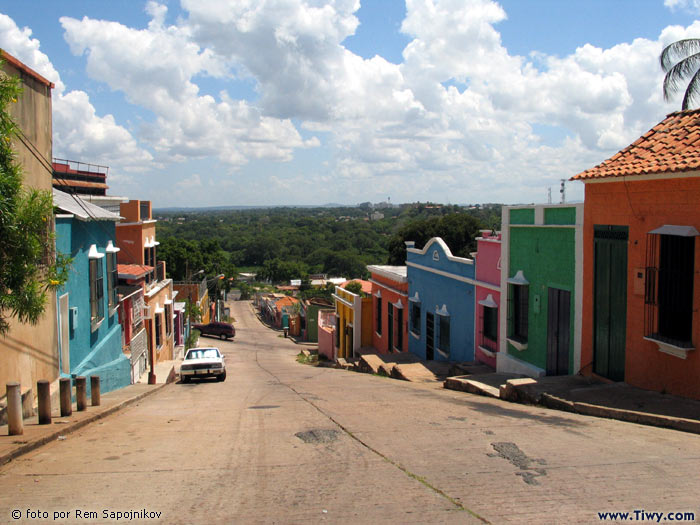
43,391
15,423
80,393
95,390
65,393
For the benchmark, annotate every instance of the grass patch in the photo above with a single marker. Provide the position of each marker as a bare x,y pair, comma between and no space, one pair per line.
307,359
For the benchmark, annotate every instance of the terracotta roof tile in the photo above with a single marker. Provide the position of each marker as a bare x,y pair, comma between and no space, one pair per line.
672,146
135,270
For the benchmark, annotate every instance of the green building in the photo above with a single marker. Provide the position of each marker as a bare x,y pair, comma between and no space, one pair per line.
541,286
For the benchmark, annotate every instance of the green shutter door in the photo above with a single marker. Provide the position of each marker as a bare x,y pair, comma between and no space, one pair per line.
610,301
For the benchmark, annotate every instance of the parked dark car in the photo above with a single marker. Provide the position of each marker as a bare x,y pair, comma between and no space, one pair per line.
222,330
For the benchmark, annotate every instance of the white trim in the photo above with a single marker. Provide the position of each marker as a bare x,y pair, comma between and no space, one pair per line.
398,305
415,298
343,301
518,279
650,176
489,353
559,226
670,349
111,248
378,295
64,216
93,253
442,311
149,221
387,273
488,302
445,249
517,344
415,335
456,277
678,231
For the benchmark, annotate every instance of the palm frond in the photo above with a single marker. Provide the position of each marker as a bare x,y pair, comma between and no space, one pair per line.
676,51
676,75
692,91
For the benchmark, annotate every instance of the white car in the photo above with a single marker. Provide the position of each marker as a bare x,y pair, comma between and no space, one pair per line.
203,362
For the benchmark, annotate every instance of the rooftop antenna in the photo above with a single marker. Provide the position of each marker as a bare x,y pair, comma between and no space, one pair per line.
549,195
563,191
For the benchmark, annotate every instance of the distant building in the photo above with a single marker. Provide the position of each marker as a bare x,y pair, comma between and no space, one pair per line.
89,181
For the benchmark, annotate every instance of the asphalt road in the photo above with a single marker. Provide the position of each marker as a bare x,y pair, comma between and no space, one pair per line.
281,442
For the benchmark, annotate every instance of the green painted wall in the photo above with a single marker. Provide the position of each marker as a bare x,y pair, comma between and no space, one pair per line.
560,216
522,216
547,258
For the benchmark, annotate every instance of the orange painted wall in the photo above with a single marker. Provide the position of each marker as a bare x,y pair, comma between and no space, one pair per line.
643,205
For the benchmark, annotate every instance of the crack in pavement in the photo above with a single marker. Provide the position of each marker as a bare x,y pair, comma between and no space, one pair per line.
458,505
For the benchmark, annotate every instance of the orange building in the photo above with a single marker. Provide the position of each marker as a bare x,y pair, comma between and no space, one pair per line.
642,262
137,265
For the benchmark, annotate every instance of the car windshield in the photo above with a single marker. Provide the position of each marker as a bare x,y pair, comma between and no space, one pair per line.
203,353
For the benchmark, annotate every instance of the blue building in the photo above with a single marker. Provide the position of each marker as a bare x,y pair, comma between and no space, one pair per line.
440,303
90,336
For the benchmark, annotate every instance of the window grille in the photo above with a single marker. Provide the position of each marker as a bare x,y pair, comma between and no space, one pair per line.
96,290
379,315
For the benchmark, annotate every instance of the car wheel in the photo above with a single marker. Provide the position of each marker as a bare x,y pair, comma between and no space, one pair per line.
222,377
222,336
185,379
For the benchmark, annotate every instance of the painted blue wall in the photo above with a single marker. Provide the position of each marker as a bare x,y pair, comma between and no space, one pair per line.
99,352
437,290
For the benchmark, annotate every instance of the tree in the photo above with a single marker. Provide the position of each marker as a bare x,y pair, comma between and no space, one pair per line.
679,61
354,287
29,267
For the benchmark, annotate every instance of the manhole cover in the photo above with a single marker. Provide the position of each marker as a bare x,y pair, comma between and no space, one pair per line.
318,436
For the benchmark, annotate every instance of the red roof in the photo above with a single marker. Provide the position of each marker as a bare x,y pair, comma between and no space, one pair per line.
24,67
285,301
366,285
133,271
672,146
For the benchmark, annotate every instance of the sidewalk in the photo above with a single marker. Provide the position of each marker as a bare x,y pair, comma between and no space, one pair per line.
36,435
585,395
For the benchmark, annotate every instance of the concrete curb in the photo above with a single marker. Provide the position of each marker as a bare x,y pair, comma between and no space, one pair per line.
68,429
630,416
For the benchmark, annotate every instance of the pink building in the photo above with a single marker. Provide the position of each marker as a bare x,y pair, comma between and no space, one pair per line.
389,308
487,296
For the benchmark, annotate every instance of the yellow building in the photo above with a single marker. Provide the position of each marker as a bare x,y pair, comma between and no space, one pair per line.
353,317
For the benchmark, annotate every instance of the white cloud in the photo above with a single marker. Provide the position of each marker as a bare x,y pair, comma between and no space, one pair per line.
692,6
78,132
156,68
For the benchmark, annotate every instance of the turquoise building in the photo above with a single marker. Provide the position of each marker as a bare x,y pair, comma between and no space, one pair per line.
440,303
90,341
541,289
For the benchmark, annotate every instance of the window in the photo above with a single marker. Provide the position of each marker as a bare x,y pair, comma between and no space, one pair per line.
158,328
444,328
519,303
96,286
379,315
112,277
398,337
337,331
490,326
668,294
415,317
168,319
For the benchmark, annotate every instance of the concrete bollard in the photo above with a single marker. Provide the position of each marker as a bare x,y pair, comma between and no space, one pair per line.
43,391
80,393
65,393
15,423
95,390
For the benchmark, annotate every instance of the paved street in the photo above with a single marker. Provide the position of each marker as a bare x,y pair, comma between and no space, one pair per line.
281,442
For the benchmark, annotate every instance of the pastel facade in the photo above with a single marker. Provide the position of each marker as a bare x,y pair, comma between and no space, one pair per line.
30,352
441,298
91,336
353,323
390,308
541,289
488,296
642,261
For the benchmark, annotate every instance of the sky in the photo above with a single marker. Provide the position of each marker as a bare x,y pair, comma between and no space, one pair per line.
301,102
